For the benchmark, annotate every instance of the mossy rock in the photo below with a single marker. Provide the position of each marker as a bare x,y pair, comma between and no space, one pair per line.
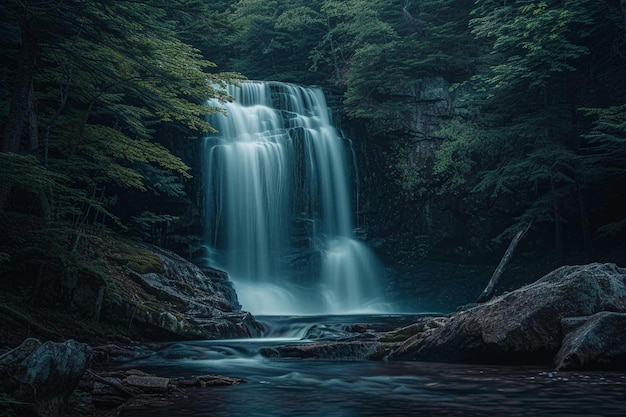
139,260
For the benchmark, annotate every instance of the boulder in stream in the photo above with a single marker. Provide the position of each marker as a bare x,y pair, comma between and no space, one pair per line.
595,342
49,375
523,326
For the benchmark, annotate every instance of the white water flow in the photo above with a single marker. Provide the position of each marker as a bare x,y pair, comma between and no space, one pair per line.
278,205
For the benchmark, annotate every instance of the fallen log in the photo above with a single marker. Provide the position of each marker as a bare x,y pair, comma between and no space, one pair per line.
497,274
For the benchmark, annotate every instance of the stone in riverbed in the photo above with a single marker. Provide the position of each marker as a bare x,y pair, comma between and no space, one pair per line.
50,374
524,326
148,383
208,381
354,350
595,342
356,327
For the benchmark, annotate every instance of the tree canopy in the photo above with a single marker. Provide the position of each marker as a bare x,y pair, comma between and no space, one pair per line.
91,87
95,91
543,80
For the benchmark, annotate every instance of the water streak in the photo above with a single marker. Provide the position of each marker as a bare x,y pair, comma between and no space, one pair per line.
279,387
279,205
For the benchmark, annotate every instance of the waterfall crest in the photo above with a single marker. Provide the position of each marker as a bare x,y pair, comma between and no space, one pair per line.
278,205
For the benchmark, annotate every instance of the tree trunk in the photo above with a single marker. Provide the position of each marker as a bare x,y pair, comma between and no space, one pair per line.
558,225
33,121
495,278
584,222
20,99
20,106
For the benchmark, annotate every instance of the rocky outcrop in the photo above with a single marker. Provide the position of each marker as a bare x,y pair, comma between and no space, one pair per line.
593,342
524,326
192,303
38,379
44,375
18,354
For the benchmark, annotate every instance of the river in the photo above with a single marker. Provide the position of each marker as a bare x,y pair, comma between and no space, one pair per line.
296,387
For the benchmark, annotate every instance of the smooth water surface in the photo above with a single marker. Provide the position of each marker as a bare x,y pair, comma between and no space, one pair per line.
292,387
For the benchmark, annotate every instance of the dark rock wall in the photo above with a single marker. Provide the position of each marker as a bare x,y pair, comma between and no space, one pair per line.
437,253
394,155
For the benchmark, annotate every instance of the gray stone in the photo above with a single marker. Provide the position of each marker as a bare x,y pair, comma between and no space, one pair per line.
596,342
196,303
16,355
523,326
50,374
148,383
209,381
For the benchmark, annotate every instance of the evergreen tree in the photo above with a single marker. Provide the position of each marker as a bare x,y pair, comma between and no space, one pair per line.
89,86
106,74
538,51
275,38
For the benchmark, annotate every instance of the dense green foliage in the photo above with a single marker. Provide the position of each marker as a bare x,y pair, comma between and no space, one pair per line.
372,48
92,92
542,69
97,94
541,137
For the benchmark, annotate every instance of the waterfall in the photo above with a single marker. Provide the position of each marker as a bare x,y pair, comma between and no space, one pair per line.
278,205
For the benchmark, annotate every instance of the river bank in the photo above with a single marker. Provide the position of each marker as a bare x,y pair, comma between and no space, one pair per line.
571,320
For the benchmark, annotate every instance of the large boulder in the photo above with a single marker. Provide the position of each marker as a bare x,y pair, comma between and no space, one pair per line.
15,356
50,374
523,326
593,342
193,303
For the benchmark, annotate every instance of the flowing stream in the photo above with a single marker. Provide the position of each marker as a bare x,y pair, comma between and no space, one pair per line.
278,210
279,205
307,387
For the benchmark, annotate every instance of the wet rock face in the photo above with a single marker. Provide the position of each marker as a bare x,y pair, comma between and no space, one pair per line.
50,374
194,303
593,342
523,326
409,227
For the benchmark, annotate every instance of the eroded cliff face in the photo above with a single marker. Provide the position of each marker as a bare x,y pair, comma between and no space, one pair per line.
187,302
419,235
397,158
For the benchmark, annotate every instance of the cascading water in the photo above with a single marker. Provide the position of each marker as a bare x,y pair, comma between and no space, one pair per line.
278,205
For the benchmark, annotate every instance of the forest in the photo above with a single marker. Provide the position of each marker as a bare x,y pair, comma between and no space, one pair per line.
470,126
103,103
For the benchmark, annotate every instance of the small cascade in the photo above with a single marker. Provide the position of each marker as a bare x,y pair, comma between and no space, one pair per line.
278,205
